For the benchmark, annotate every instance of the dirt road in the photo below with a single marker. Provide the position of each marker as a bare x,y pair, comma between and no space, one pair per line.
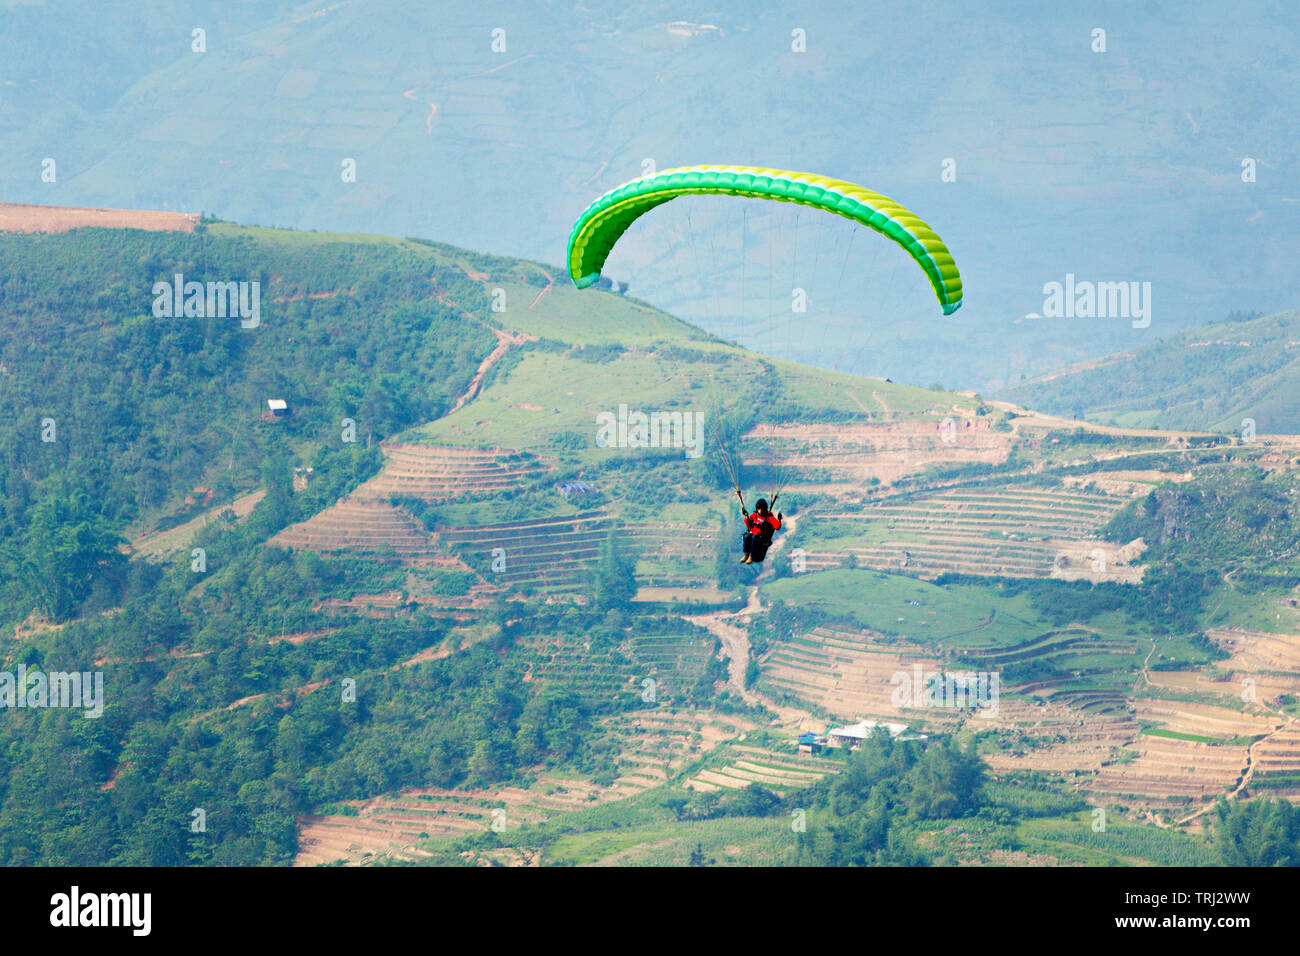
735,647
728,627
504,341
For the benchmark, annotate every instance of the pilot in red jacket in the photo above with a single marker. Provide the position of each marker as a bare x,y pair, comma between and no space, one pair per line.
759,527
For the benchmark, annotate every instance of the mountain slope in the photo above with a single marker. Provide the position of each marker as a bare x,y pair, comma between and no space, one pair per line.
505,600
1209,378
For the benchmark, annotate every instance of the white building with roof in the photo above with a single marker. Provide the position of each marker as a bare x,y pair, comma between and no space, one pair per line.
852,735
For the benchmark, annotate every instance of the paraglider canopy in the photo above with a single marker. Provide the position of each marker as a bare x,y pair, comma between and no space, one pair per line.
605,220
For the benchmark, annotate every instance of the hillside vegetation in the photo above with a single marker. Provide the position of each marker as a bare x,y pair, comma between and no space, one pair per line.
224,658
1210,378
437,614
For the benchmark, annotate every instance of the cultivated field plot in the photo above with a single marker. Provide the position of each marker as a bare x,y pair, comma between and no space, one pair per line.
552,555
1204,720
655,745
847,674
1167,770
1271,662
23,217
158,545
665,659
372,528
394,826
730,841
1015,531
1047,735
465,606
1275,764
742,766
850,454
1261,673
1093,660
556,555
437,473
1153,751
672,555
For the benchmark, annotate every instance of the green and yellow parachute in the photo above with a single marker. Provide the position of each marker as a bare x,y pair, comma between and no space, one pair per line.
606,219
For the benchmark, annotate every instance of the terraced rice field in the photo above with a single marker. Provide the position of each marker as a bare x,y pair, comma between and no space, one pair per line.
655,745
671,556
1148,750
1051,735
847,674
1205,720
394,826
461,607
1262,667
778,772
1271,660
365,522
1026,532
1086,653
553,555
673,658
1187,751
1169,770
1276,764
437,473
1154,751
556,555
373,528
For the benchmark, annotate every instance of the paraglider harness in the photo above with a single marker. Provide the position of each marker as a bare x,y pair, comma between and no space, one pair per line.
759,528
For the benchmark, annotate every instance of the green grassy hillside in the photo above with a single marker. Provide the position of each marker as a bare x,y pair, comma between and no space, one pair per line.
1210,378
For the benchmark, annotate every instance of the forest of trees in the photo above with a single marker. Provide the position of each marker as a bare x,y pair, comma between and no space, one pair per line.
372,332
121,789
1262,832
886,788
126,412
1226,519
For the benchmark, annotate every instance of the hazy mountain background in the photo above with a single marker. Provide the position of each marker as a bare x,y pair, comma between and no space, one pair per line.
1123,165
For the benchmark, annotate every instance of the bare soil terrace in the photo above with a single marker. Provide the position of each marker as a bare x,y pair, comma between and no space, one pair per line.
24,217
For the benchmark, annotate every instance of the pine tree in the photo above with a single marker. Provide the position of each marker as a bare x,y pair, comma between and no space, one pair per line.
615,578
